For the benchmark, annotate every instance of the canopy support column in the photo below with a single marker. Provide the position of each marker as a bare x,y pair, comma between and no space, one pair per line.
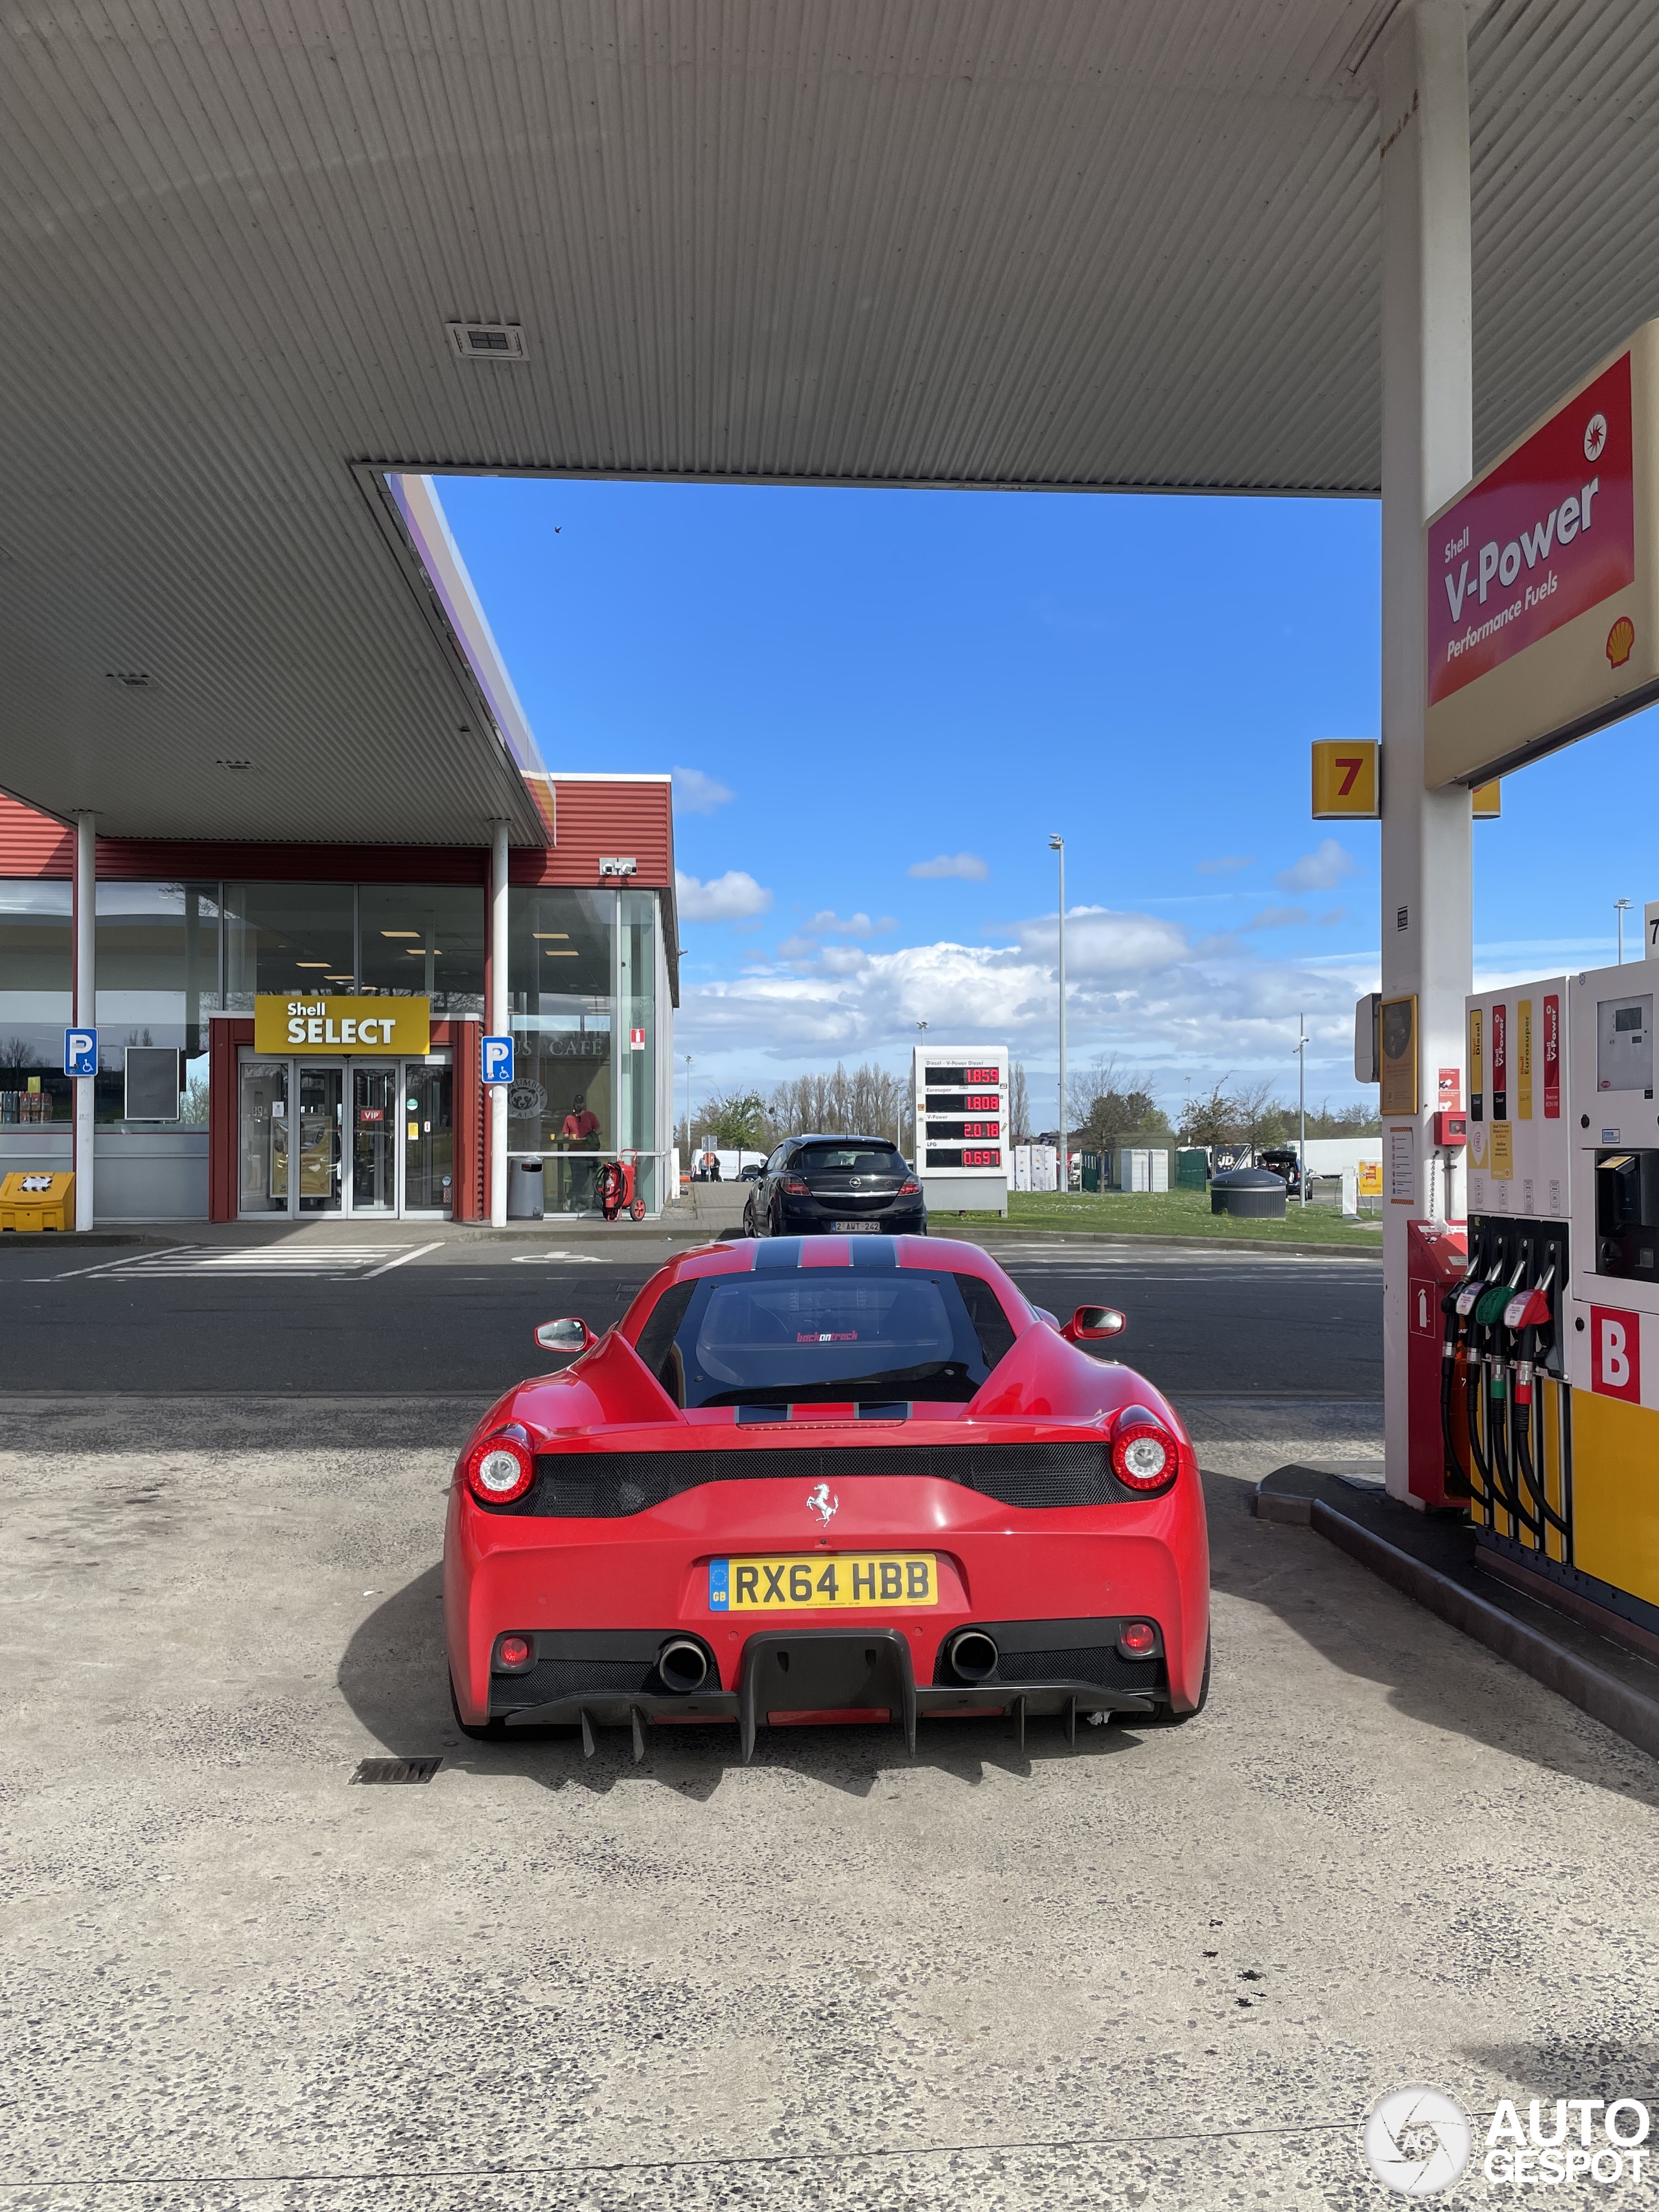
1427,456
500,1019
85,1015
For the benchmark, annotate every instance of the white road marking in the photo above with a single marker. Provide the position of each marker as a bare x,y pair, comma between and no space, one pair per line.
402,1259
349,1261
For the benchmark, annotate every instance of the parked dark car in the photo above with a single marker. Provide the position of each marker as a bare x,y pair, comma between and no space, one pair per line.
835,1187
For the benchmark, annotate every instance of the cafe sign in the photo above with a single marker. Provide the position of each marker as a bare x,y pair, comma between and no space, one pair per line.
325,1025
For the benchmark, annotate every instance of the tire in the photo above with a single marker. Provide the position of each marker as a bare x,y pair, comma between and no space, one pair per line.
637,1209
491,1731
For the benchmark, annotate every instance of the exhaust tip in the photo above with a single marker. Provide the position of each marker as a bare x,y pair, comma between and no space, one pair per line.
683,1664
973,1654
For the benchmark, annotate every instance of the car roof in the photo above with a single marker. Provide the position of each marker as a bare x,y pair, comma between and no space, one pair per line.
822,1137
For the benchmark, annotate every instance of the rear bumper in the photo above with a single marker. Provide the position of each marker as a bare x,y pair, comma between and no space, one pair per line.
790,1676
813,1217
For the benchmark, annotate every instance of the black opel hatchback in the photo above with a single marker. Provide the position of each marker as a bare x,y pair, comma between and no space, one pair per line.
835,1187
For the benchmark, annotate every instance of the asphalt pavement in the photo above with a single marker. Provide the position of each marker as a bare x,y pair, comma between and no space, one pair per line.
383,1315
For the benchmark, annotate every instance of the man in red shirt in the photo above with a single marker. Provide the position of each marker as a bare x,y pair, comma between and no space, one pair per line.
579,1124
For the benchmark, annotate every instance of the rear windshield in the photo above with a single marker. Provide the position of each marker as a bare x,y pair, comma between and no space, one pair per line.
865,1335
849,1159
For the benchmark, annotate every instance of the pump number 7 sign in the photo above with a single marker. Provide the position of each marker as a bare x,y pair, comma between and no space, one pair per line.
1345,785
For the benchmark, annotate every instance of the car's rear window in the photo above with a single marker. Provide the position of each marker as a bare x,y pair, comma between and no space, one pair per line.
848,1159
866,1335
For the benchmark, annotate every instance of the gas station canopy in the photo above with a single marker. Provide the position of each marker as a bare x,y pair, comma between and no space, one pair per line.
1031,243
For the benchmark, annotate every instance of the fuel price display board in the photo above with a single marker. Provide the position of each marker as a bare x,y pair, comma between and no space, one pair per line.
962,1114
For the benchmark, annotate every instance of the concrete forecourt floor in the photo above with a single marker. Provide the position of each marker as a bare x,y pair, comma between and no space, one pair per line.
1171,1968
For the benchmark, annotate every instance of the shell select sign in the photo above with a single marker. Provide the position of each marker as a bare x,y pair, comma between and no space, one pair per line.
1541,621
332,1025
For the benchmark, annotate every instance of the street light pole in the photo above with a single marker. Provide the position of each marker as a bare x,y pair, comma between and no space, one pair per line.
1062,1180
688,1109
1621,908
1302,1108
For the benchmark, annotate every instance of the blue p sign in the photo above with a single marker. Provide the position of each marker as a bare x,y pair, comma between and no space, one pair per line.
80,1052
497,1055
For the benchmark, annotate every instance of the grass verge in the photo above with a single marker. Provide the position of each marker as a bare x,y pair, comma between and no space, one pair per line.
1172,1213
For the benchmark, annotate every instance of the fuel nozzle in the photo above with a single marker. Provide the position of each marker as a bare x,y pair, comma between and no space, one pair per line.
1528,1315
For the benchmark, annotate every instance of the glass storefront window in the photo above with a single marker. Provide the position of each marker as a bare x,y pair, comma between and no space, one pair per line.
158,982
424,939
37,981
560,974
287,938
263,1177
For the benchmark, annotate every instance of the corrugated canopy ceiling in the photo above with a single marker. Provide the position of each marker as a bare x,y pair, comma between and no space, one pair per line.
997,242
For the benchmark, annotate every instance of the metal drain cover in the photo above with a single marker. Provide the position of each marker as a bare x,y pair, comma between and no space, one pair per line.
397,1770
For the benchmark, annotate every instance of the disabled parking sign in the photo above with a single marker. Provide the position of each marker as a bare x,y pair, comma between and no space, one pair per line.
80,1052
497,1059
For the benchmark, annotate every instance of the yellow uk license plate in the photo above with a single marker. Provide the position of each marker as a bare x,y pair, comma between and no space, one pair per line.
832,1582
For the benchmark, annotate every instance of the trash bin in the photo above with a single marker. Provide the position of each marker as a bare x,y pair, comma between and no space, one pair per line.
524,1187
1248,1194
1192,1168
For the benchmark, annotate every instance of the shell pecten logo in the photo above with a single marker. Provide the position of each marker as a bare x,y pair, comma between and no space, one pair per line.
1621,638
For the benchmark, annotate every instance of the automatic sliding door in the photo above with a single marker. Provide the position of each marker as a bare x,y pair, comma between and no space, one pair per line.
317,1140
429,1140
373,1138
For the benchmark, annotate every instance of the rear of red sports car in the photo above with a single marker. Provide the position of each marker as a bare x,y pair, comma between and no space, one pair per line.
827,1479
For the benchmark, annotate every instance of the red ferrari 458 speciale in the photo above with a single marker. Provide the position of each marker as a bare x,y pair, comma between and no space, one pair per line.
827,1479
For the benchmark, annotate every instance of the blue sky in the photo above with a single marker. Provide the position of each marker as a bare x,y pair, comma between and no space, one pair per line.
880,704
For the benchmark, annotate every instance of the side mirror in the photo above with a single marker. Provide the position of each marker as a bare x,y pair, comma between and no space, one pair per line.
1090,1323
570,1335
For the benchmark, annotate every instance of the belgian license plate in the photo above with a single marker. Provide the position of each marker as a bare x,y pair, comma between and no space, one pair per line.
856,1228
828,1584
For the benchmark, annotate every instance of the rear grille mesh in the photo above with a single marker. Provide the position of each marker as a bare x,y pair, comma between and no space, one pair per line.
609,1485
1099,1663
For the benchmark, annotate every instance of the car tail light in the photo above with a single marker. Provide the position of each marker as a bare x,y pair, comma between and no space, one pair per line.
500,1467
1136,1639
513,1654
911,1189
794,1186
1144,1452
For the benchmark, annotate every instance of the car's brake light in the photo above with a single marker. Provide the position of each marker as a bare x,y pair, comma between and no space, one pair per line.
910,1189
1143,1451
1136,1639
514,1655
794,1186
500,1467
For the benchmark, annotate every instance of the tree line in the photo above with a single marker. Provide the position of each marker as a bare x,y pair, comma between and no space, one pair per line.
1106,1104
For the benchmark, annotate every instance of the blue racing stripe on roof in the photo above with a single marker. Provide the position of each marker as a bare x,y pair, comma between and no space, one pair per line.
777,1252
873,1252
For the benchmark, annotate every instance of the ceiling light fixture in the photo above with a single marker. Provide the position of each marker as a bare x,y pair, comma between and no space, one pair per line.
561,952
400,933
311,963
421,953
487,341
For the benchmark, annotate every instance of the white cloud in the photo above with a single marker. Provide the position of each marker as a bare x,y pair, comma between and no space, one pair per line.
1322,870
1228,865
830,923
731,897
967,867
1210,1010
1277,917
1100,942
698,794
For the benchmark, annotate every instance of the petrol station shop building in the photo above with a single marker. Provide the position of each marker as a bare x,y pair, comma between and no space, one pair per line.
292,1030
